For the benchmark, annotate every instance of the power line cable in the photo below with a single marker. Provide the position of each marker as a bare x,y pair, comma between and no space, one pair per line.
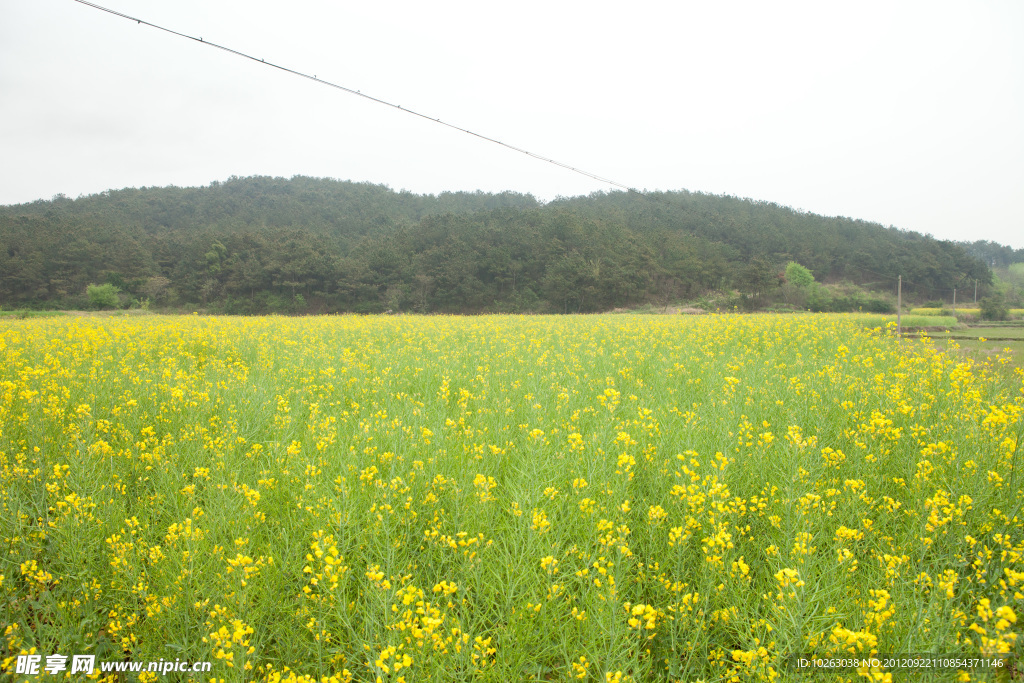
358,93
377,100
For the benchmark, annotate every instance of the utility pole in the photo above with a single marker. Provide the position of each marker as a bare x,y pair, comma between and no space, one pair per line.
954,302
899,307
975,291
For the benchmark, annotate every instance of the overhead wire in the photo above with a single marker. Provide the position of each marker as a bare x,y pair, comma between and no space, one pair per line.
358,93
908,282
413,112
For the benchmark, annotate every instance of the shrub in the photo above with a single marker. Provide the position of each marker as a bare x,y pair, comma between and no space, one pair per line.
994,308
873,305
819,298
798,275
103,296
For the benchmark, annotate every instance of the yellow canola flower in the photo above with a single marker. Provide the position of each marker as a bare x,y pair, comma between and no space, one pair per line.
397,439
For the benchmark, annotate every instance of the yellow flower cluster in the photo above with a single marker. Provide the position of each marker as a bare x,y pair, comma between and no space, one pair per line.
399,499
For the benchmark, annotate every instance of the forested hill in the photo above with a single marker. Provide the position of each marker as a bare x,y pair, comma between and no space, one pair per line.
251,245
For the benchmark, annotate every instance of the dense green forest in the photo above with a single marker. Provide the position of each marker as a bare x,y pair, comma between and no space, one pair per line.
995,255
259,244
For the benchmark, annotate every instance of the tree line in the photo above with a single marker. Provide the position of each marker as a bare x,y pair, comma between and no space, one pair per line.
258,244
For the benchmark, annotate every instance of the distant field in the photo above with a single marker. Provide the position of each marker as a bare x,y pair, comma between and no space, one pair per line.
971,312
602,498
984,331
914,320
31,314
1003,345
1011,351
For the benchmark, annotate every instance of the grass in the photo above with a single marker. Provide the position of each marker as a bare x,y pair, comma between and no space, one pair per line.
988,344
983,331
968,312
976,343
24,313
876,320
988,351
593,498
927,321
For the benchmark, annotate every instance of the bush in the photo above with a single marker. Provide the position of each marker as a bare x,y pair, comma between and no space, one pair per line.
994,308
872,305
798,275
819,297
103,296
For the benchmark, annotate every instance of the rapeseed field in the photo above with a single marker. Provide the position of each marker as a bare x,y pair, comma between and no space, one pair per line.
605,498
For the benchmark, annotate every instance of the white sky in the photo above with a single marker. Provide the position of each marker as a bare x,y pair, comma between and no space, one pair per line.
904,113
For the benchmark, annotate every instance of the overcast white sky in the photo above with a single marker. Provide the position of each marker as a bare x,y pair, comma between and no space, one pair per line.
905,113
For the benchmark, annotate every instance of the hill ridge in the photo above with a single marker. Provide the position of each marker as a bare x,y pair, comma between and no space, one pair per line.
261,243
